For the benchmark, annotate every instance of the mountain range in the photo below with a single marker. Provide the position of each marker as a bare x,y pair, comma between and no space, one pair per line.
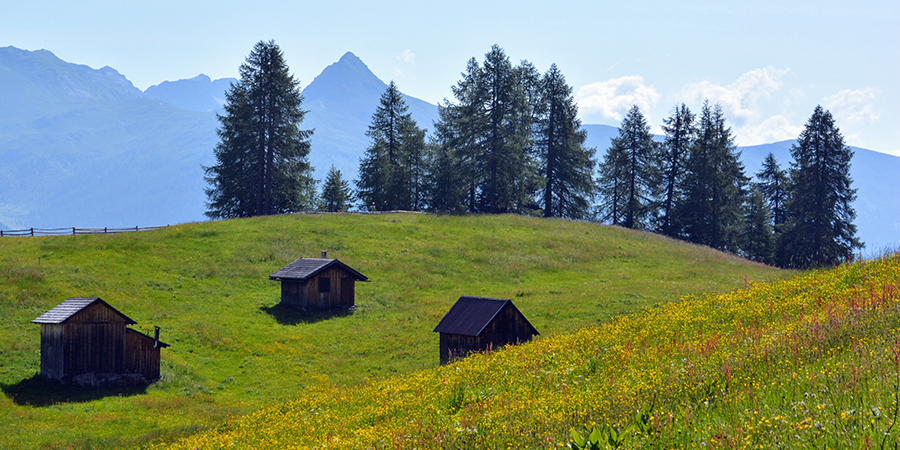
84,147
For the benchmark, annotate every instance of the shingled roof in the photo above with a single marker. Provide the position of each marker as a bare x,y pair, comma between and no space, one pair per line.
71,306
470,315
304,268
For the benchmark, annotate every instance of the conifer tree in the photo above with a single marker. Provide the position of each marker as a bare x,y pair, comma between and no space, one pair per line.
710,212
819,230
680,133
757,238
262,164
487,133
773,183
565,164
336,193
612,183
636,145
390,172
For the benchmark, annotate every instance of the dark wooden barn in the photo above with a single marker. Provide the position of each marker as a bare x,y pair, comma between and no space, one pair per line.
83,336
478,323
318,284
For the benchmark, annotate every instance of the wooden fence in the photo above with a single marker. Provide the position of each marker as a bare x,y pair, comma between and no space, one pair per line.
72,231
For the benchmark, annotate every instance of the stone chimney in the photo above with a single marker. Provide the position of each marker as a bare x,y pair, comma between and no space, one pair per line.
324,254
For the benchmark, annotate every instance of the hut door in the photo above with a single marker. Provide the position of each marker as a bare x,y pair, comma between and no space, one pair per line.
347,292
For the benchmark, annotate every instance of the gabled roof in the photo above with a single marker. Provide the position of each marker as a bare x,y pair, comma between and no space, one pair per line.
470,315
161,343
304,268
71,306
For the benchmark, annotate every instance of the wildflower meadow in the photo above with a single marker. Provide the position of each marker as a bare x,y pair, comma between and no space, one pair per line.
812,361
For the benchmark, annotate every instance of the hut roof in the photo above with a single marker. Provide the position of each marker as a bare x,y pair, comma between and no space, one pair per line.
71,306
304,268
470,315
144,335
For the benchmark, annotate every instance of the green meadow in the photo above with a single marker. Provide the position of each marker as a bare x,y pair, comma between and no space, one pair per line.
234,351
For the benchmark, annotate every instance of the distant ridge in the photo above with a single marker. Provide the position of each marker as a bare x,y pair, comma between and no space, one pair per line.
195,94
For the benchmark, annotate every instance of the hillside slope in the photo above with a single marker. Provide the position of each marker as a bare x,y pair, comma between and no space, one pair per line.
809,362
234,350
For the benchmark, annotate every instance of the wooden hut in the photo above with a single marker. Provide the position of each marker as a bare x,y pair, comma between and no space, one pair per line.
318,284
478,323
85,335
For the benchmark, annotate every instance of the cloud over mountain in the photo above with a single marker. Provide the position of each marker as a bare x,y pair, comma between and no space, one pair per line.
611,99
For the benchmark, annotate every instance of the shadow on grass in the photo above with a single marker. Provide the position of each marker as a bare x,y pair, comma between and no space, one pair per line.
286,315
42,391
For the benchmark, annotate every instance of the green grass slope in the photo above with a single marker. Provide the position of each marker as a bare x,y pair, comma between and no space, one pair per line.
235,351
811,362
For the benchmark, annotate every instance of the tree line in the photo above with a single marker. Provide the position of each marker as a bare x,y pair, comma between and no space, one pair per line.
510,142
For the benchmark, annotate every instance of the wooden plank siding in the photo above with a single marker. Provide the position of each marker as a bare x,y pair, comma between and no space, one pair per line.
84,336
143,355
329,289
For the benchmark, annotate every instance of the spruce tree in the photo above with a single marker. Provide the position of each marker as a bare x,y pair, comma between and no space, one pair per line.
680,133
390,172
819,230
711,209
635,143
336,193
262,164
565,164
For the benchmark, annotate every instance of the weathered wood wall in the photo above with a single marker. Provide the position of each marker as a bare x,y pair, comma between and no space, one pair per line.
340,292
143,355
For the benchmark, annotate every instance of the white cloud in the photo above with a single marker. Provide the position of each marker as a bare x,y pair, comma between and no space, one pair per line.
773,129
613,98
739,100
853,105
407,56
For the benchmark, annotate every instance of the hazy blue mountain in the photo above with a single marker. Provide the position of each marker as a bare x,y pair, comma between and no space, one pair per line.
341,101
36,83
83,147
195,94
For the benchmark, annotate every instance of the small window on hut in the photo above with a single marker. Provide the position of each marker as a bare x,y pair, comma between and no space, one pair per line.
324,284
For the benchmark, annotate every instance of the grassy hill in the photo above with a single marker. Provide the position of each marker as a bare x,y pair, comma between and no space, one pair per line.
234,351
809,362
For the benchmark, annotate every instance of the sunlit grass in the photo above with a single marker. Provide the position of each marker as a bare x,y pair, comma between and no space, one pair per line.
234,352
808,362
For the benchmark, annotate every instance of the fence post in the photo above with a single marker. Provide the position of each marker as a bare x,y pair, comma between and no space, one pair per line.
73,231
32,231
104,230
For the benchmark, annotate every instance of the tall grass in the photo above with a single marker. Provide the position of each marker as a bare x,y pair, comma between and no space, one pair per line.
808,362
234,350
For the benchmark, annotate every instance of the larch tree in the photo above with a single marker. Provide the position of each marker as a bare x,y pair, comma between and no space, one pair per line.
711,209
774,184
566,165
390,172
819,230
262,164
757,238
635,143
680,133
487,134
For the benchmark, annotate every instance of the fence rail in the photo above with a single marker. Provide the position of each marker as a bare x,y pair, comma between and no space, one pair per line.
27,232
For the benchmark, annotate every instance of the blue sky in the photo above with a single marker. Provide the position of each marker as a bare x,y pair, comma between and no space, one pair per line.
769,63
